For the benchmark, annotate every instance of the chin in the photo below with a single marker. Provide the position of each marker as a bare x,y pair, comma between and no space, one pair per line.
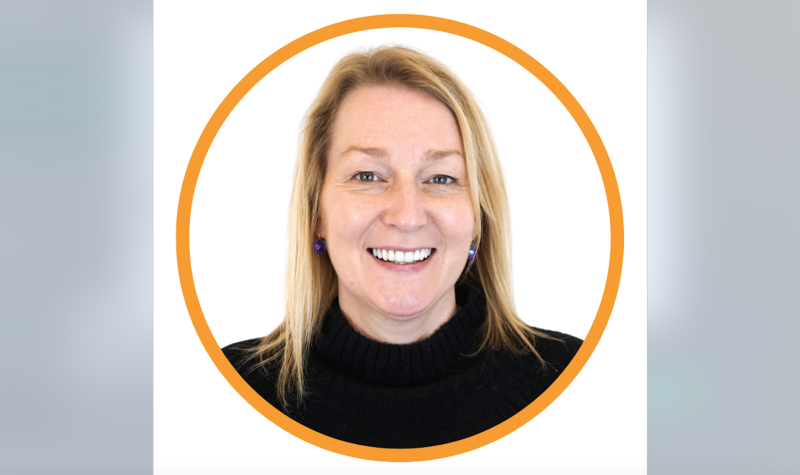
408,306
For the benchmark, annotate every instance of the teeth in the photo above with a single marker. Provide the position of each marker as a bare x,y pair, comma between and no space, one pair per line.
401,257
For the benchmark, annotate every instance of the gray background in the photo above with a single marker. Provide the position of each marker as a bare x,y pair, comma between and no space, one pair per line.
723,237
76,237
76,243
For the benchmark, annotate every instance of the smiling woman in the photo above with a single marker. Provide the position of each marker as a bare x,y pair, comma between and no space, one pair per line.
400,329
396,182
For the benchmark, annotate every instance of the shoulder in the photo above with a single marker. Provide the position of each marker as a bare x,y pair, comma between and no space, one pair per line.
556,348
238,353
518,379
241,356
262,380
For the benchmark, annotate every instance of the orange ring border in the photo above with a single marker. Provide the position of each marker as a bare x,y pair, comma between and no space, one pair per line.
370,23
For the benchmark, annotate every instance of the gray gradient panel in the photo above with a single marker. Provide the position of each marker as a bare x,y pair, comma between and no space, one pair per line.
723,237
76,237
76,233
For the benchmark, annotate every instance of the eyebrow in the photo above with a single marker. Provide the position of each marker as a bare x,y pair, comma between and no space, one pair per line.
430,155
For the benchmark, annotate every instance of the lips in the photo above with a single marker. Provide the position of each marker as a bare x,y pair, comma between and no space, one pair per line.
401,257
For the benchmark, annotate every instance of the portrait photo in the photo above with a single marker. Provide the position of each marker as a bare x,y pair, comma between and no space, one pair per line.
399,238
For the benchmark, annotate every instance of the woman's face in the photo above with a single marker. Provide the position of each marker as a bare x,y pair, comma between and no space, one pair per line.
396,182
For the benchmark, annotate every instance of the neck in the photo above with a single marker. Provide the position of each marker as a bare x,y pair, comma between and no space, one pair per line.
384,327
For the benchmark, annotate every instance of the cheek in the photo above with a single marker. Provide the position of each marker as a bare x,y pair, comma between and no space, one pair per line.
347,216
455,219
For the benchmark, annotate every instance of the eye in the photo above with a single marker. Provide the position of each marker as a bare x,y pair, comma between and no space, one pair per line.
365,176
442,180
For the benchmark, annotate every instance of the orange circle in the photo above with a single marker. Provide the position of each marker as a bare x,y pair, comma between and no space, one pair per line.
370,23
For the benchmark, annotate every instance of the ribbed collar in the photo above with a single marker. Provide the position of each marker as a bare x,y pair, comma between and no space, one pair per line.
341,347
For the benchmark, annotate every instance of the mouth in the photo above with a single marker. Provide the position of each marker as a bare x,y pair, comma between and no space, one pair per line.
402,257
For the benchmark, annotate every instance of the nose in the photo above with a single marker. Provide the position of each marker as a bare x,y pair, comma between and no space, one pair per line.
405,209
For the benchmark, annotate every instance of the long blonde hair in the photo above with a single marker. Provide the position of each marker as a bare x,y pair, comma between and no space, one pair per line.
312,284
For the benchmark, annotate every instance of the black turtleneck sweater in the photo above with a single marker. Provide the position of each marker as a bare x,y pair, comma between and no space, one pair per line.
417,395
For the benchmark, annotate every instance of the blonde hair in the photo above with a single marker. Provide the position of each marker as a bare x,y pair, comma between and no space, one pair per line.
312,285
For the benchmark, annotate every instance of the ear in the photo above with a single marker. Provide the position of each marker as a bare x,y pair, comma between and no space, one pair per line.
319,229
476,223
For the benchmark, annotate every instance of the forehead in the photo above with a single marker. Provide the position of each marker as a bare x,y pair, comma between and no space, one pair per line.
394,118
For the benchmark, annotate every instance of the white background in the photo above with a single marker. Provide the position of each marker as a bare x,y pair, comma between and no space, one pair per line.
559,216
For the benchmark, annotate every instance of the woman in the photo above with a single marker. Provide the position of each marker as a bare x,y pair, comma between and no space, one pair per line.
400,328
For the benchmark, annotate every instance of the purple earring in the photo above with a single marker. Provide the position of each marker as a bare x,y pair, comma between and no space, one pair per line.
319,246
471,252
